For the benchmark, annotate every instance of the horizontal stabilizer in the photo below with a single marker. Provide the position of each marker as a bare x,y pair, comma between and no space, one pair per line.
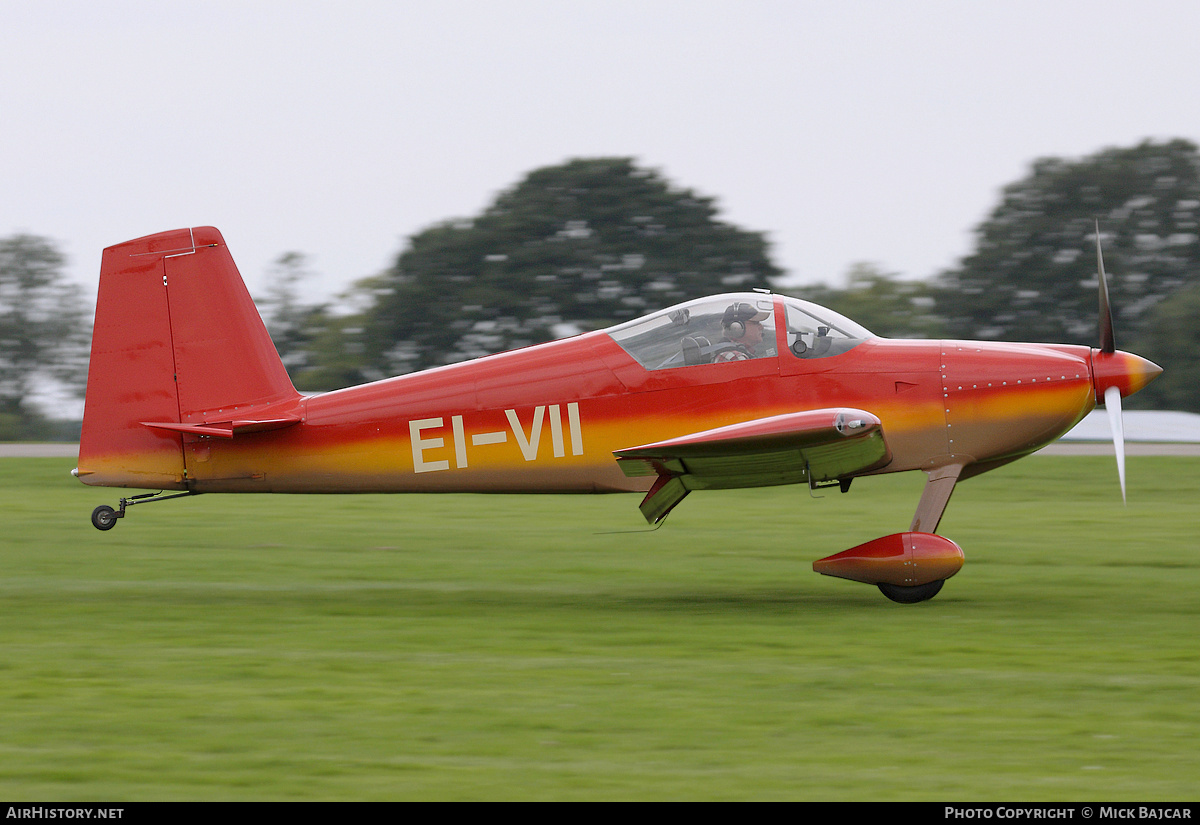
225,429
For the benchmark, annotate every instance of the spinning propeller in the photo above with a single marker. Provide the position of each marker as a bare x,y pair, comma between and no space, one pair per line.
1108,346
1115,373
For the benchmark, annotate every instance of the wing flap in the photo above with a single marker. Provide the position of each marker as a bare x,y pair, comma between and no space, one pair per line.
809,446
662,498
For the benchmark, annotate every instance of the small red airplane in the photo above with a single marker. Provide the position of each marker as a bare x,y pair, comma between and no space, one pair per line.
186,394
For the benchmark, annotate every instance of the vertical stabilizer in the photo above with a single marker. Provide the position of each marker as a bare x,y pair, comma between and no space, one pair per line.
177,340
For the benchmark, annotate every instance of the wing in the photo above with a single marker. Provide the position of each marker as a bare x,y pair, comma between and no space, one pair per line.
811,446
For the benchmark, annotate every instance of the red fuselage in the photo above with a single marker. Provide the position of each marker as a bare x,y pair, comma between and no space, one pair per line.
186,392
548,418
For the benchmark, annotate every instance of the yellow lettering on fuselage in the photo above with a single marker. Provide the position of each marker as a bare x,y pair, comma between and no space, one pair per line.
528,437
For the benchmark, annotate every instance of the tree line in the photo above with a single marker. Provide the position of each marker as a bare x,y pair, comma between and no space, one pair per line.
593,242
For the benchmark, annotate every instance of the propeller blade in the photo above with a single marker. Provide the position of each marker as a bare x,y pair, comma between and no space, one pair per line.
1108,341
1112,402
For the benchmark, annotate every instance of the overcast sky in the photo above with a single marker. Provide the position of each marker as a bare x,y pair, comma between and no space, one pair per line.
846,131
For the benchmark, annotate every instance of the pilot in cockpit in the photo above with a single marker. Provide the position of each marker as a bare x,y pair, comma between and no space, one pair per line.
743,333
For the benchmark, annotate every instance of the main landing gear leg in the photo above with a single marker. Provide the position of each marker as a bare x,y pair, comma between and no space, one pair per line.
934,498
105,517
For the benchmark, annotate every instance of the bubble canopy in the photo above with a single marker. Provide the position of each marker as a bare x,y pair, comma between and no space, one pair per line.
736,327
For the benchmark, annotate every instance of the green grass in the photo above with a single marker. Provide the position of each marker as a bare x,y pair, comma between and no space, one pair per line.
517,647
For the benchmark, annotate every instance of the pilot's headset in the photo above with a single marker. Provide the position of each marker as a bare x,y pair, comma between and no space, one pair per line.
737,316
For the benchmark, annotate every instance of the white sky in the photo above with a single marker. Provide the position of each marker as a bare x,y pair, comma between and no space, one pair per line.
847,131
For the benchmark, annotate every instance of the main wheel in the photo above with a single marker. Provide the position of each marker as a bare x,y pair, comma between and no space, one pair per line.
911,595
104,517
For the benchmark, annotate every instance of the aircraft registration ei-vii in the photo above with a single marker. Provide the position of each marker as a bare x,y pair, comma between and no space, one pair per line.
186,394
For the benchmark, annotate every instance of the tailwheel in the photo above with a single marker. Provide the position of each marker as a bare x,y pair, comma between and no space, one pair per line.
105,517
911,594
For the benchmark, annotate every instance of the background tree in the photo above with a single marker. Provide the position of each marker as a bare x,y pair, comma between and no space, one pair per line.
570,248
882,302
282,308
1032,276
296,326
43,333
1171,338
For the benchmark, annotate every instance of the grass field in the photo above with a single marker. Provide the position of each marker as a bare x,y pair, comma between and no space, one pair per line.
521,647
